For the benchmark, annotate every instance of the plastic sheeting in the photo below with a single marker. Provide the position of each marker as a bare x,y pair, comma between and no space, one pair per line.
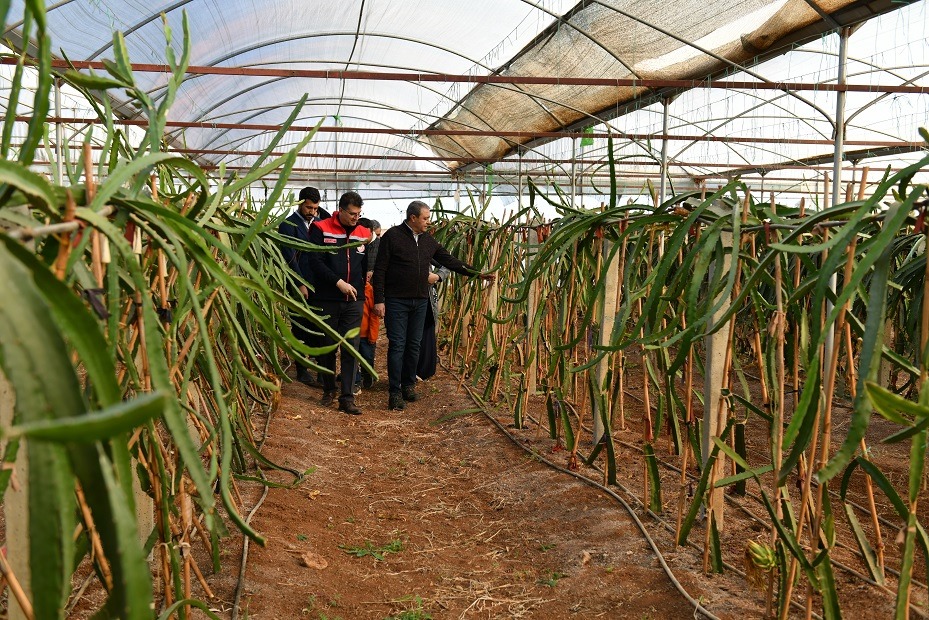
627,39
643,39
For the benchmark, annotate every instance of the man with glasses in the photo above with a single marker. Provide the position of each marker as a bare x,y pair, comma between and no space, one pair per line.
339,277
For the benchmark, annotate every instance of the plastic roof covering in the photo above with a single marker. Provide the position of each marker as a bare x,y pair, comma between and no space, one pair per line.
630,38
642,39
421,36
890,50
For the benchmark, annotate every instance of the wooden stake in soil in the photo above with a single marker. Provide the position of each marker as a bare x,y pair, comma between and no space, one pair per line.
777,423
715,405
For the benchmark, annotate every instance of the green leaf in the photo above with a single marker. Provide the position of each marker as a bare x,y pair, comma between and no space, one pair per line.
76,323
32,351
889,404
654,479
864,545
98,425
29,183
93,82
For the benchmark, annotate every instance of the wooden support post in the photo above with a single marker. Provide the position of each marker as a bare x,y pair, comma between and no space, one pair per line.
716,409
493,329
16,508
532,307
607,320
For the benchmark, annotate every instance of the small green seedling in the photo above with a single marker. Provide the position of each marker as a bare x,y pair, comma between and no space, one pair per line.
415,613
377,553
552,580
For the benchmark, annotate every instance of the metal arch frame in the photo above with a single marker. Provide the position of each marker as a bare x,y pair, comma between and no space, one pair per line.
530,95
257,46
762,102
386,106
364,64
393,148
428,88
250,48
343,141
559,20
237,140
535,99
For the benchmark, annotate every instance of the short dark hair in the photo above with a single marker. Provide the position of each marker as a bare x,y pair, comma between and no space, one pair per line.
363,221
350,199
416,207
374,225
309,193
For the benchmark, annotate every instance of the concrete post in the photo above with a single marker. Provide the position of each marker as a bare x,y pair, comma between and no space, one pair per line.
16,507
716,410
607,319
532,307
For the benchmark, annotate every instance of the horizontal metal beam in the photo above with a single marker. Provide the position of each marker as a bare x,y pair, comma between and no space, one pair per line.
500,79
757,169
474,132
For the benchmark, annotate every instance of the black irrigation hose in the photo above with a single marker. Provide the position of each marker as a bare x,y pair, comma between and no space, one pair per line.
763,523
677,584
240,584
766,525
832,493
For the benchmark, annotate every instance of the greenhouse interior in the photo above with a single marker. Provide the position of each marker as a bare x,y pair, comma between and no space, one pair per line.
663,351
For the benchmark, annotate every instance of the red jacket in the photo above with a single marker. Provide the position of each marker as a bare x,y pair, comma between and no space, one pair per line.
344,263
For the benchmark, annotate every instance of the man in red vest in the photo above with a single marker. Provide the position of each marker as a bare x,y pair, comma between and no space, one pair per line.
339,276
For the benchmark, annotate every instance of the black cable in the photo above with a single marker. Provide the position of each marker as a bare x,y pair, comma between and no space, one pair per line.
664,565
240,584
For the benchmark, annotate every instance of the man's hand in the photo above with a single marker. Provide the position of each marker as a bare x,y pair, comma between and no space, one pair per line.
433,278
379,310
347,289
305,292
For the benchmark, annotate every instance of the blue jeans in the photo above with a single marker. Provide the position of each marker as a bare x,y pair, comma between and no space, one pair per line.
368,351
404,320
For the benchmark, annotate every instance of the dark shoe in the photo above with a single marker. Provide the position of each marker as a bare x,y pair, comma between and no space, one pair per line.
410,395
348,406
395,401
328,398
367,381
310,381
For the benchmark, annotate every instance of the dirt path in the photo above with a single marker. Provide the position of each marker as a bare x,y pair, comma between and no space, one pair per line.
484,530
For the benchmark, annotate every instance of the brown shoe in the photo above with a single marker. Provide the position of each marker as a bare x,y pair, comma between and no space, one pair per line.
328,398
348,406
409,394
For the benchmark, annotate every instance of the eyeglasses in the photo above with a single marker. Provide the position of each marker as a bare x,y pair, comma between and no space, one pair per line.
350,214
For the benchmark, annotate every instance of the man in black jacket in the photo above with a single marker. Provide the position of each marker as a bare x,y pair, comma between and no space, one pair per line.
339,277
401,284
297,225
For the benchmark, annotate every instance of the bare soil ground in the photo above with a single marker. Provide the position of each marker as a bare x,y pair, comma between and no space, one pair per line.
423,513
483,529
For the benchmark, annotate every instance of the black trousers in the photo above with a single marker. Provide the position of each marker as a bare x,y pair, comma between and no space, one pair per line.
343,316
